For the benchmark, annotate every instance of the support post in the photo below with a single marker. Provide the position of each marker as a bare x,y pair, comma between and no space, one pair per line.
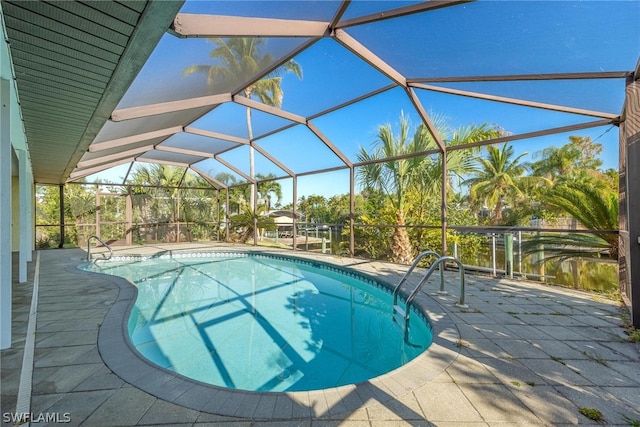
295,210
226,216
218,214
629,166
30,214
254,208
98,208
520,252
493,253
61,197
444,202
5,215
540,260
25,222
352,208
508,255
129,217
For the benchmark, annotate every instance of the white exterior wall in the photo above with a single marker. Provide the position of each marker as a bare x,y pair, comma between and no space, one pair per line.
15,238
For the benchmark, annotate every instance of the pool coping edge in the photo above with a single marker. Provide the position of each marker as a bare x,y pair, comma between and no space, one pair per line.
121,357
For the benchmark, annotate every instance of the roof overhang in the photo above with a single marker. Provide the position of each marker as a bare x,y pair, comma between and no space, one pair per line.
73,63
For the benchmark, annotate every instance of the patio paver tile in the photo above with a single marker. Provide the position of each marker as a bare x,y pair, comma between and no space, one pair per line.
522,354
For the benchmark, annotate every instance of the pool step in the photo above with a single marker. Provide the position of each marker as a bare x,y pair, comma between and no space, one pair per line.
399,315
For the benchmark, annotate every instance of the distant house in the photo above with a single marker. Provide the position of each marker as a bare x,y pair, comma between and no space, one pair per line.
284,221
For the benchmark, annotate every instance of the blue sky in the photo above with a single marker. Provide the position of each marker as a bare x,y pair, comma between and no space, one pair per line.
481,38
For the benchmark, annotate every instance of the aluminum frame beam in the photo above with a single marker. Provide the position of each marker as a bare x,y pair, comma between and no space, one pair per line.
198,25
169,107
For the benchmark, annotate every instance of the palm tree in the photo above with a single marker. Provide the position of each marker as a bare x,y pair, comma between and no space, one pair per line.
241,59
459,162
165,180
499,177
423,174
577,157
596,208
244,226
394,177
267,188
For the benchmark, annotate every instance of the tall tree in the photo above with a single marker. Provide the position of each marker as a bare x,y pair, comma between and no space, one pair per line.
596,208
240,60
394,177
499,177
164,180
314,208
421,175
269,188
578,156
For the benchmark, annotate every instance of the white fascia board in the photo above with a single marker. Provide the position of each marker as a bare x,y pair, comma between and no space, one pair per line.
198,25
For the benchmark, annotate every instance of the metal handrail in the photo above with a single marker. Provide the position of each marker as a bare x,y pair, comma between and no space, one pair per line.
438,262
406,275
103,244
404,314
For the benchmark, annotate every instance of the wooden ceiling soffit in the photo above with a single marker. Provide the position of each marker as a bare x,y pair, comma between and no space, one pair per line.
119,142
111,157
90,171
169,107
192,25
515,101
268,109
369,57
153,24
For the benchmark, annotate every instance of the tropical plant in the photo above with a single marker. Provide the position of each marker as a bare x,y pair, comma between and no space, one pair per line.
596,208
419,175
243,224
394,177
580,154
500,177
167,194
459,162
314,208
157,194
240,60
79,208
267,188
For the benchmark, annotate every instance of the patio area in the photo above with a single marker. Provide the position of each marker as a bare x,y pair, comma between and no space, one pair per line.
522,354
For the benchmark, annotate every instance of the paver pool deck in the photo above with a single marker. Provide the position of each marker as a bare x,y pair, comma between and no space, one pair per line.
522,353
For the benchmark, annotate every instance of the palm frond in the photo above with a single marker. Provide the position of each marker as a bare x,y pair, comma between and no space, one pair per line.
568,246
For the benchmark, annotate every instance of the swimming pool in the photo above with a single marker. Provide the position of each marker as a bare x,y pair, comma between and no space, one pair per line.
264,323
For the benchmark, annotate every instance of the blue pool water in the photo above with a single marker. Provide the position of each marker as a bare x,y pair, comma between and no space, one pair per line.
263,323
